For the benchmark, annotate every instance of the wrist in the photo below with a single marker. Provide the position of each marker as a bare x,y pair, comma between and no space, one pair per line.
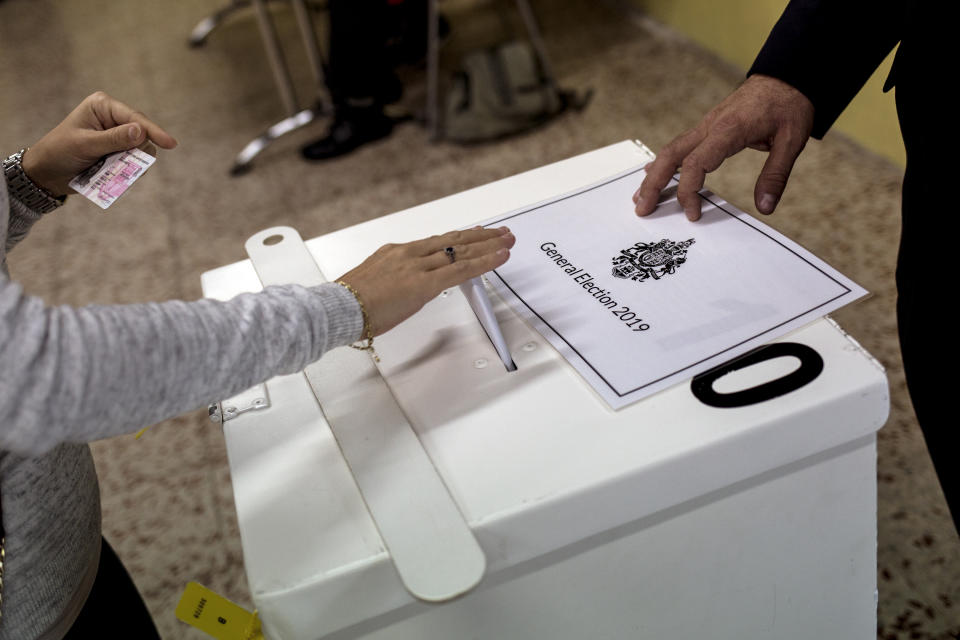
32,164
22,187
366,338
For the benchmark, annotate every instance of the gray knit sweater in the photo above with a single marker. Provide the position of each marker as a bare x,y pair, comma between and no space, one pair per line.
69,376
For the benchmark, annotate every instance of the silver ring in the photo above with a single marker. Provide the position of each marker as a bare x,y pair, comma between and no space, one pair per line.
451,254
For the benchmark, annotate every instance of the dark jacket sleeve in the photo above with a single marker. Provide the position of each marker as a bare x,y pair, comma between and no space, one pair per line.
827,49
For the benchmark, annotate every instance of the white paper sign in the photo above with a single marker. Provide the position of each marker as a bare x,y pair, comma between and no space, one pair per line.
639,304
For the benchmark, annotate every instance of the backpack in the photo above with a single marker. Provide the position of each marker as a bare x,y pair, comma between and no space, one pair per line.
500,91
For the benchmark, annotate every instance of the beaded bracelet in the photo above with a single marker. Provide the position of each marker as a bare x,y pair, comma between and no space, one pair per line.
367,329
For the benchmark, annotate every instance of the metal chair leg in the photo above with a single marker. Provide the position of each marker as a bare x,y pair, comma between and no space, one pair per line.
242,163
295,119
313,53
533,28
198,37
200,32
278,65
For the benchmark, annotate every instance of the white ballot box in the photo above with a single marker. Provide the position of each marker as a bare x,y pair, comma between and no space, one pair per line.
735,507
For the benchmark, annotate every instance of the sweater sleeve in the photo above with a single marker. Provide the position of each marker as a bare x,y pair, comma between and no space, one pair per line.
827,49
22,218
17,217
80,374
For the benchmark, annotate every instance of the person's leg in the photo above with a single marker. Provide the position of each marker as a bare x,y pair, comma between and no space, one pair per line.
928,334
359,67
926,284
114,607
360,77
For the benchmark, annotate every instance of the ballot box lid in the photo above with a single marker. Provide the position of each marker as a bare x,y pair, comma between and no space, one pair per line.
534,459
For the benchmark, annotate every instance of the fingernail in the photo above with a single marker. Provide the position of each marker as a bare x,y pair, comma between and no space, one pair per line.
691,213
502,252
134,132
768,202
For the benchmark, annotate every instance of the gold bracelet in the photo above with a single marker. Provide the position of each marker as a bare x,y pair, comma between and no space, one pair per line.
367,329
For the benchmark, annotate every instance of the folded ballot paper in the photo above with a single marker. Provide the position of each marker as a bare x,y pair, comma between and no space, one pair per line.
639,304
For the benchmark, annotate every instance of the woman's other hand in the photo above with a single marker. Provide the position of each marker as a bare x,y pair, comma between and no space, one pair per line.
100,125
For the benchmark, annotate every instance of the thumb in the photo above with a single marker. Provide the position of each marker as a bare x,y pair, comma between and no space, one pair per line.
115,139
775,173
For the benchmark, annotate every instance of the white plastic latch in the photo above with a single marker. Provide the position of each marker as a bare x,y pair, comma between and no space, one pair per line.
431,545
253,399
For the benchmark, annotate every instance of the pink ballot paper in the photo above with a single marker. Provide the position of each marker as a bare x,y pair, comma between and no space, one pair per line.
110,178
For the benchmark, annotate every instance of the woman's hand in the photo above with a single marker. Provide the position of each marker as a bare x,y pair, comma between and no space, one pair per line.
100,125
398,279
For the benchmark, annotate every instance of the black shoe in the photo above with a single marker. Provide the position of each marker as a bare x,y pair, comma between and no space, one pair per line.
349,131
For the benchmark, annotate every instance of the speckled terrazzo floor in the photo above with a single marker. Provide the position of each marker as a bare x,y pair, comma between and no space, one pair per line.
167,500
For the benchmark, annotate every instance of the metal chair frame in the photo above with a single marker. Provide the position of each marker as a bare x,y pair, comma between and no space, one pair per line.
298,118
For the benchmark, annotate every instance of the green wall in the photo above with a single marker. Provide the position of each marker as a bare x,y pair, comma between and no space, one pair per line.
736,29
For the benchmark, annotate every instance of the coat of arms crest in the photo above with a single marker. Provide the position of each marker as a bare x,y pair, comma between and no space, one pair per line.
646,260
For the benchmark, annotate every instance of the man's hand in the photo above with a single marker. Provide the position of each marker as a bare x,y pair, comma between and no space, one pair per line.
765,114
100,125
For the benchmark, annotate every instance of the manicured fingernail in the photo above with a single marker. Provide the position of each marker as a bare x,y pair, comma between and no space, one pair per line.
768,202
134,132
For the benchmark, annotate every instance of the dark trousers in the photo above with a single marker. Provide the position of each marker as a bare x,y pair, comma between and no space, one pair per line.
114,608
927,267
368,38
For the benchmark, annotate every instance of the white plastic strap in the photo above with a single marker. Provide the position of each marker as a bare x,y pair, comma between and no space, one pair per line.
430,544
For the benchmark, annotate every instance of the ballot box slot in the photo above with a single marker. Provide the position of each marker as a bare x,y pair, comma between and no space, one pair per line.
475,291
704,386
509,365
